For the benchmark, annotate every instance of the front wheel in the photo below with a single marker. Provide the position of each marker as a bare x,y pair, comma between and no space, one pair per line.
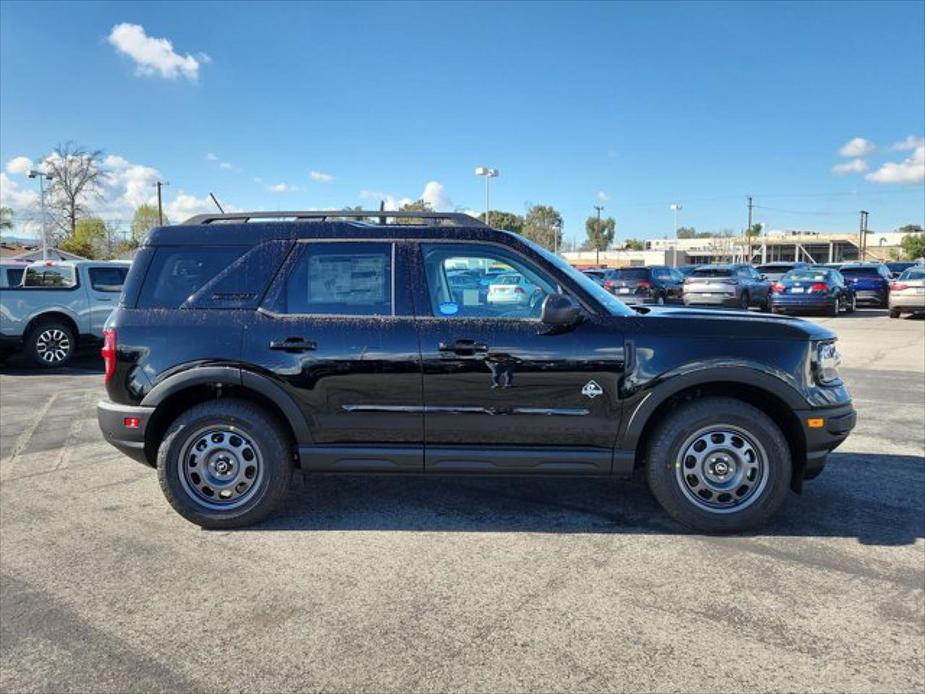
719,465
224,464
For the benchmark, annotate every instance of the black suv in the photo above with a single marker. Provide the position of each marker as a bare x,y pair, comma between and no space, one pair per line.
653,284
243,348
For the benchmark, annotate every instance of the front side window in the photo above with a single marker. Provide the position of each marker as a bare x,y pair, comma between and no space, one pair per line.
107,279
56,276
498,284
350,279
14,277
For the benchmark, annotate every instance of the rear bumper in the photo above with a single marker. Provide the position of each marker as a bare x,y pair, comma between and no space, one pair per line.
870,296
911,303
802,302
131,441
820,441
695,299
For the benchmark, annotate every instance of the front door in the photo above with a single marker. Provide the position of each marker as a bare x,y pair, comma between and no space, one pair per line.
503,392
336,331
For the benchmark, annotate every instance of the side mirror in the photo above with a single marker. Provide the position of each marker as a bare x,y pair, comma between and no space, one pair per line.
560,310
763,277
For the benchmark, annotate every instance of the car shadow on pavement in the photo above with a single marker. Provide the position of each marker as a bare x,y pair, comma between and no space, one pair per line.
87,360
877,499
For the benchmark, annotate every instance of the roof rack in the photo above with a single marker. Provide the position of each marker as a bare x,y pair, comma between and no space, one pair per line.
430,218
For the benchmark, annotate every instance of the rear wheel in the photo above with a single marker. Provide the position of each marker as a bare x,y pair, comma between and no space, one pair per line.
832,311
719,465
224,464
745,301
852,304
895,313
50,343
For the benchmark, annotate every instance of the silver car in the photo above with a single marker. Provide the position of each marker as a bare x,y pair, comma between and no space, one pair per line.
732,286
907,292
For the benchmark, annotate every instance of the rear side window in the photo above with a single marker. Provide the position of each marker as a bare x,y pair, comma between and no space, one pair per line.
14,276
55,276
178,272
351,279
107,279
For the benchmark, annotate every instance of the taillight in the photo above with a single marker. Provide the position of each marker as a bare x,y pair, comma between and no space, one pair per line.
644,285
608,284
109,353
519,290
777,288
818,287
897,287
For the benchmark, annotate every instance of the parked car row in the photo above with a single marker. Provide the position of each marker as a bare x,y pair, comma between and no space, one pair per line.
781,287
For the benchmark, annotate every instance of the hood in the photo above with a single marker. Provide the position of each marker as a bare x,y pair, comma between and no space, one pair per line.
737,324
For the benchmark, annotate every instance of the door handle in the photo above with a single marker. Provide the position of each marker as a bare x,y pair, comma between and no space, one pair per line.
106,299
293,344
464,347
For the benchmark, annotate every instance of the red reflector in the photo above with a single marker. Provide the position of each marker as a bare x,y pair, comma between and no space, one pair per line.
131,422
819,287
109,354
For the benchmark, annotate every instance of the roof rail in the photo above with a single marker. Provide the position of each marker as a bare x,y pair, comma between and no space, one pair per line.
371,216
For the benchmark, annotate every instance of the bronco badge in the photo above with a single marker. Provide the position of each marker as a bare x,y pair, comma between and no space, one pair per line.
592,389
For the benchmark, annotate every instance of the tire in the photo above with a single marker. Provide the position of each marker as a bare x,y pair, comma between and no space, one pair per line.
50,343
885,301
852,304
745,301
750,503
766,306
832,311
660,301
234,437
895,313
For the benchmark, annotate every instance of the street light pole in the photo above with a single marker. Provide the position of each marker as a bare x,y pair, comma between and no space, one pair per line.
597,249
160,206
488,174
42,176
675,207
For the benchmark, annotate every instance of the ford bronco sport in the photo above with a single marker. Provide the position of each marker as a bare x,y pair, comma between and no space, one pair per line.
246,345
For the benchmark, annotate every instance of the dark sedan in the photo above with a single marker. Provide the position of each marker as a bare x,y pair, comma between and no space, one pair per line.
812,290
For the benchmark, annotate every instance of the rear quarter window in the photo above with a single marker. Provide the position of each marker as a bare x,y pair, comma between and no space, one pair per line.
176,273
107,279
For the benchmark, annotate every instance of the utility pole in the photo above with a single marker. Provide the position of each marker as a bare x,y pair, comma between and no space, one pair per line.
160,205
596,246
675,207
862,236
42,176
748,232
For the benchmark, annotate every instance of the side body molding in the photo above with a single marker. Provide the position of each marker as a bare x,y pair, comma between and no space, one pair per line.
232,376
650,396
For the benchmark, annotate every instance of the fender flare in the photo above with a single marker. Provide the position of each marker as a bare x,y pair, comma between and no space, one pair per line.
638,418
233,376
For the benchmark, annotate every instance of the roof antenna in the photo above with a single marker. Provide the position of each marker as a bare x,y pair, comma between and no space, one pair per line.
382,209
215,200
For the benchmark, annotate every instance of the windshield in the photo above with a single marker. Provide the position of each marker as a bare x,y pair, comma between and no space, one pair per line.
916,273
612,304
712,272
806,276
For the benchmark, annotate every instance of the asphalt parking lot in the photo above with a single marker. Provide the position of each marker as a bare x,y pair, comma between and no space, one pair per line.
409,584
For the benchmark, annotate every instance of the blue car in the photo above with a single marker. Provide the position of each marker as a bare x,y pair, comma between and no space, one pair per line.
813,290
870,281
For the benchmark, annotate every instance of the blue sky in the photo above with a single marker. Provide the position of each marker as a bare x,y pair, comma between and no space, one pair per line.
631,106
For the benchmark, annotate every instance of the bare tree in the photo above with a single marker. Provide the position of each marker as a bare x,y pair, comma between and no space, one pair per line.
77,178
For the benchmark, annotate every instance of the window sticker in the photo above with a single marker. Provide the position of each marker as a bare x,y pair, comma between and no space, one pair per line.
449,308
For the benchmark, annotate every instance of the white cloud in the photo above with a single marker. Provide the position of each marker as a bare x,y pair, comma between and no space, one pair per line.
19,165
911,143
857,147
850,167
211,157
910,170
602,196
184,206
12,195
154,56
282,188
435,195
114,161
320,176
226,165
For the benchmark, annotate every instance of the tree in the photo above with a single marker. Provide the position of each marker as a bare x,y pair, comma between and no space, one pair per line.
913,246
508,221
88,239
600,233
416,206
543,225
6,218
77,178
634,245
687,232
911,228
144,219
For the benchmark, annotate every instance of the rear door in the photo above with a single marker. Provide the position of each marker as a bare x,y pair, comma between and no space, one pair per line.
502,392
336,331
104,285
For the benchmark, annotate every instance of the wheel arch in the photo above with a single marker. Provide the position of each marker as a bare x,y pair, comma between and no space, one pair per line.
777,400
52,315
183,390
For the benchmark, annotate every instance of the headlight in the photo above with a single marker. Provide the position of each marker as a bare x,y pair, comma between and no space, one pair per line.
825,362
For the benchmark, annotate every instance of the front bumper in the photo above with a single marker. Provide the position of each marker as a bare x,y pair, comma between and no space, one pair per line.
131,441
837,423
